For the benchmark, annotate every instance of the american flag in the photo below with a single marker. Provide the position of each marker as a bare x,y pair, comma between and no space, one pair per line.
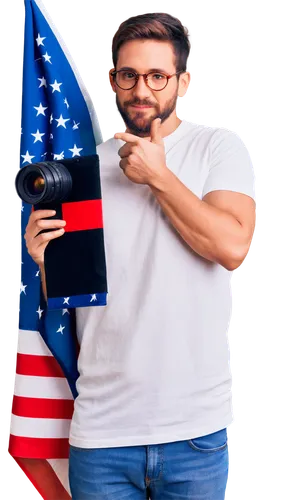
58,121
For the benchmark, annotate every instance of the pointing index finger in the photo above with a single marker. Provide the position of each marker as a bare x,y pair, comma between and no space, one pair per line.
125,136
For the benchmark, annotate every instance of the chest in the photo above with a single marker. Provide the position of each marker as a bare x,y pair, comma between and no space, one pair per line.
134,222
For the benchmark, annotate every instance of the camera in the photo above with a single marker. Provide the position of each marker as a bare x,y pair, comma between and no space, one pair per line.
75,264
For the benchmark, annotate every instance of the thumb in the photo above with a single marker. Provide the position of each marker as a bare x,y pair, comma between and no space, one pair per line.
156,137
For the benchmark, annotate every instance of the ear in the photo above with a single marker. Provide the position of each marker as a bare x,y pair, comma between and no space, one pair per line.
184,82
113,85
109,79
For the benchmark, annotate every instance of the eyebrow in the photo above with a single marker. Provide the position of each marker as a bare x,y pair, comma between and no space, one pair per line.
159,70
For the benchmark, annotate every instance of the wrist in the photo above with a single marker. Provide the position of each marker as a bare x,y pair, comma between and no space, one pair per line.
161,179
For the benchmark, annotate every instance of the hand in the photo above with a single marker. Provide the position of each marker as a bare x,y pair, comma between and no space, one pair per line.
35,244
143,160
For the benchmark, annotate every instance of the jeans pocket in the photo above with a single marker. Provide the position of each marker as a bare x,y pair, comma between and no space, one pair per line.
209,443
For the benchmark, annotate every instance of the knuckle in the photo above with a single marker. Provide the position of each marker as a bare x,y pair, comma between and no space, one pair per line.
44,236
37,214
26,239
29,251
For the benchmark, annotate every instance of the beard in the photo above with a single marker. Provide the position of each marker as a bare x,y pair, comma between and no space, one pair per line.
140,125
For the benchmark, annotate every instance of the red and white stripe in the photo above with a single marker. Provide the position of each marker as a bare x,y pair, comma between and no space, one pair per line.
42,406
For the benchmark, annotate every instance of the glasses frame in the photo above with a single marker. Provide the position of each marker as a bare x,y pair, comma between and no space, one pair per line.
145,75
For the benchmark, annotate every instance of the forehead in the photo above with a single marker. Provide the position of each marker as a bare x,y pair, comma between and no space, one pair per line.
143,55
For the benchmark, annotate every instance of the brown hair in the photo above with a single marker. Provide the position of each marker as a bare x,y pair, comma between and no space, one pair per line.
155,26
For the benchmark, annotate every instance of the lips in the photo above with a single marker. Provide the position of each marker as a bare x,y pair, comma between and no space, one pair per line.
140,107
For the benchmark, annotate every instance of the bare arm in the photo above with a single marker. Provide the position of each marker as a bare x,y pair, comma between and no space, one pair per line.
219,227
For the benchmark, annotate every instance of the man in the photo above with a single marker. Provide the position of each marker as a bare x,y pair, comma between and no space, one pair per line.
154,388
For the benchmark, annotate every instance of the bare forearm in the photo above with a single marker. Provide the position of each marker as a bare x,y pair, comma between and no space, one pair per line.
209,231
43,280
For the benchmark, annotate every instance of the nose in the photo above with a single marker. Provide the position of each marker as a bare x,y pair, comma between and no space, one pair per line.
141,89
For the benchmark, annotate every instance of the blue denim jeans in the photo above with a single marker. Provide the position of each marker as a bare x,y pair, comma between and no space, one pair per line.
193,469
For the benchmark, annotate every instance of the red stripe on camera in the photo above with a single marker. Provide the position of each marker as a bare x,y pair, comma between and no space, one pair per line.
82,215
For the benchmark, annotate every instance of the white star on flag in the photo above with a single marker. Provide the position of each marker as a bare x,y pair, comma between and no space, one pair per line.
27,157
38,136
51,118
66,102
47,57
75,151
56,86
39,40
37,273
22,288
75,125
40,109
65,311
61,329
43,82
66,300
93,298
62,121
39,311
59,157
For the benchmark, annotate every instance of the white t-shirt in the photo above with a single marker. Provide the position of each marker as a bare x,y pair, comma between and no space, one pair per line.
154,363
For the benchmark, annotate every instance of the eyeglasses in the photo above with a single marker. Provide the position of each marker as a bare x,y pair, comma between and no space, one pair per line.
126,80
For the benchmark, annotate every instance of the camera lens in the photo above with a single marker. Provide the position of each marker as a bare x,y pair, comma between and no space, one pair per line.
43,182
35,183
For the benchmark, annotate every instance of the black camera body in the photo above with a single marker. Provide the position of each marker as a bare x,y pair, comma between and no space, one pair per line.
75,263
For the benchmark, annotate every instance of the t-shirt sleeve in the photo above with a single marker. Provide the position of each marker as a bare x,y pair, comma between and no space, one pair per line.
230,166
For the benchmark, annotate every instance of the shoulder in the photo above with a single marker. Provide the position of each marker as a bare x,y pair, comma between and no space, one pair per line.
106,146
108,151
110,146
209,141
225,138
222,141
210,135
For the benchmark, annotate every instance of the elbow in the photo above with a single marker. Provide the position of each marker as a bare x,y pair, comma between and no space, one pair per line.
235,259
229,263
232,265
239,251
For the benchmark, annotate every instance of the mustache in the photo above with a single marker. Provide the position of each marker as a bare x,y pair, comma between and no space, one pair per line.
139,104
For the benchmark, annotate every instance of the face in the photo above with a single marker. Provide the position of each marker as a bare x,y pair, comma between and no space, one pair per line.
142,56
